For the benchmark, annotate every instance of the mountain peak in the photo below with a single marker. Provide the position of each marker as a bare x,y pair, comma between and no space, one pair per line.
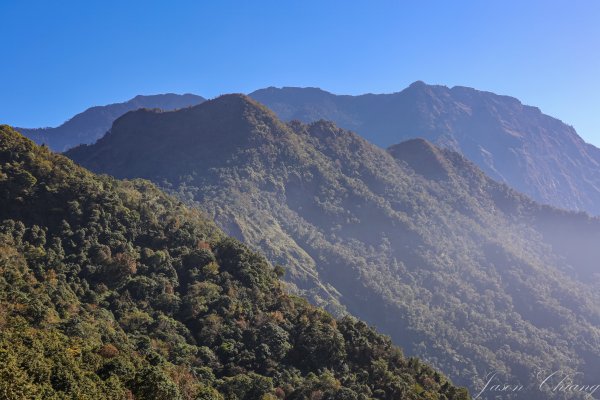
295,89
299,94
422,157
165,98
236,98
224,125
422,86
149,96
227,107
511,142
238,105
91,124
322,202
127,252
324,129
418,84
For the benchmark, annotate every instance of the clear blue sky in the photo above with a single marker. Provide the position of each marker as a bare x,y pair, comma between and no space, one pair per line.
60,57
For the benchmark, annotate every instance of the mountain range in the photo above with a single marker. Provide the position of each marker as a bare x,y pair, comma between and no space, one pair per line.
113,290
457,268
91,124
512,143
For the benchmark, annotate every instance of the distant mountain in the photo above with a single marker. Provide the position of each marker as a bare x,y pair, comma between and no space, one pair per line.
92,124
114,290
460,270
513,143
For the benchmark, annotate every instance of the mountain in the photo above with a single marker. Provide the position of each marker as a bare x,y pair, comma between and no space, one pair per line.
113,290
92,124
457,268
513,143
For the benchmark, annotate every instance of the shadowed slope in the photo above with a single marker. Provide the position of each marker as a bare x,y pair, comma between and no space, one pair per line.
511,142
458,269
113,290
92,124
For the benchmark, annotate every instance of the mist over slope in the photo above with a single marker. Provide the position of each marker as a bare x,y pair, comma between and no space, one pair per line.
459,269
513,143
113,290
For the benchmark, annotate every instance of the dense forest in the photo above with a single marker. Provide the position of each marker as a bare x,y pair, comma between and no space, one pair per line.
113,290
459,270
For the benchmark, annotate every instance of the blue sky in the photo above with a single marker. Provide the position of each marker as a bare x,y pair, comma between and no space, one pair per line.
60,57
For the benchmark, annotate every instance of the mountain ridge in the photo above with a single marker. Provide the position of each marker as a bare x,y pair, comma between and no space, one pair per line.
91,124
452,268
514,143
114,290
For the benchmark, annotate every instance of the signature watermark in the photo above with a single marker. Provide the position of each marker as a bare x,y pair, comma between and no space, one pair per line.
557,382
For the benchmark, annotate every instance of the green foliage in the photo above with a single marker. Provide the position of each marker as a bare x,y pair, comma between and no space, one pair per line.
113,290
534,153
458,269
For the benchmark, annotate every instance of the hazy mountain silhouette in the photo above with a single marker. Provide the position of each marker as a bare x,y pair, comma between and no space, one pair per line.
457,268
92,124
114,290
513,143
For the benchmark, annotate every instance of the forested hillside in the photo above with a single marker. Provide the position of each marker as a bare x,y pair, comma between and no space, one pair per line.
513,143
113,290
458,269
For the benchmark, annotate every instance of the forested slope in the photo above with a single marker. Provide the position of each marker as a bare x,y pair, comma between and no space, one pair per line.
457,268
113,290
